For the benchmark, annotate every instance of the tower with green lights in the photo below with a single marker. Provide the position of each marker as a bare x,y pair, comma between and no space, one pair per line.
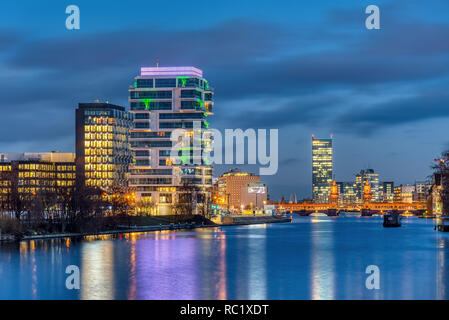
162,100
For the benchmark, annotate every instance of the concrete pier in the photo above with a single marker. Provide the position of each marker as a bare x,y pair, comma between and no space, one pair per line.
250,219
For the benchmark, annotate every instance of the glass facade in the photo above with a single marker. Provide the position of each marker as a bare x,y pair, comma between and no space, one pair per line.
322,169
373,180
162,100
388,191
103,151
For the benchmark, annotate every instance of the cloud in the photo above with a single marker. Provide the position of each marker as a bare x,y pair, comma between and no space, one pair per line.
366,120
301,80
300,111
227,43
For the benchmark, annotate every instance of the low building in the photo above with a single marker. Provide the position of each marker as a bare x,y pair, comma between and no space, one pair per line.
27,175
421,191
347,193
232,191
388,191
404,193
253,196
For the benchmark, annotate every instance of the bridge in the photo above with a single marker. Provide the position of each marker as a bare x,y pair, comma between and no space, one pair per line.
366,208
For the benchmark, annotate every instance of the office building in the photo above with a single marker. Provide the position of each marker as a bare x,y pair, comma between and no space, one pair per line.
164,99
388,191
233,193
421,191
404,193
27,175
103,152
322,166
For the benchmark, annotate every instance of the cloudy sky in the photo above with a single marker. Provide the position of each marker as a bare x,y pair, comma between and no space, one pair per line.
303,67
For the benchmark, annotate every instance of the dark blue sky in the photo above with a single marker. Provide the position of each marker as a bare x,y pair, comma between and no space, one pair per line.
300,66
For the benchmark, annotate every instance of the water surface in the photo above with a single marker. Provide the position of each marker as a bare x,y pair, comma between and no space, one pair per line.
310,258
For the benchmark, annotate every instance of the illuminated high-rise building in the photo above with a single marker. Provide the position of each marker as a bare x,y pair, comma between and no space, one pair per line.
322,166
388,191
162,100
347,192
103,152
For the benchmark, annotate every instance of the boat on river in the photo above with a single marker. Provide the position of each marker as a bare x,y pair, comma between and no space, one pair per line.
318,214
392,220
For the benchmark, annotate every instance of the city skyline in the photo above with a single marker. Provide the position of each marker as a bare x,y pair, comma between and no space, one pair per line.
217,158
385,107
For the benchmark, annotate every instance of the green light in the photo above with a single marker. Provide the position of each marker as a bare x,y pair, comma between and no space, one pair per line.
207,124
184,159
183,80
200,102
135,84
147,103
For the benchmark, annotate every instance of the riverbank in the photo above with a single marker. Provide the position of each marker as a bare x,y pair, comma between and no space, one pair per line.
123,229
104,226
140,229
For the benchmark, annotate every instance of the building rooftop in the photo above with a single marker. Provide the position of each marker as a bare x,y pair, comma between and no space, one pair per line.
237,173
99,105
38,156
171,72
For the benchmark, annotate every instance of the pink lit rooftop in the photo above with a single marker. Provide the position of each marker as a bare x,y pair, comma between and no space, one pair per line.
170,72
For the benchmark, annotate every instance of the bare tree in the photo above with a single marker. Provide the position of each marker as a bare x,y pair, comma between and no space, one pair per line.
442,168
14,201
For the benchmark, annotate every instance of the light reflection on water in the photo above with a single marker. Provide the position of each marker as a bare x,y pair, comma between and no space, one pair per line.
311,258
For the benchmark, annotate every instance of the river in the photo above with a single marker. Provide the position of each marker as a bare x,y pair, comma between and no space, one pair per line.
309,258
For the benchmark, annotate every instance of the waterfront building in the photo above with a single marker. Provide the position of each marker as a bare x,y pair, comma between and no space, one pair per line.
254,196
322,169
233,192
164,99
347,193
421,191
103,151
367,195
407,193
27,175
373,180
404,193
388,191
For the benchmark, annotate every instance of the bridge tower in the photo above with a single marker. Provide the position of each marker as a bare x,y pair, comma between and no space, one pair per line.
333,197
367,195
